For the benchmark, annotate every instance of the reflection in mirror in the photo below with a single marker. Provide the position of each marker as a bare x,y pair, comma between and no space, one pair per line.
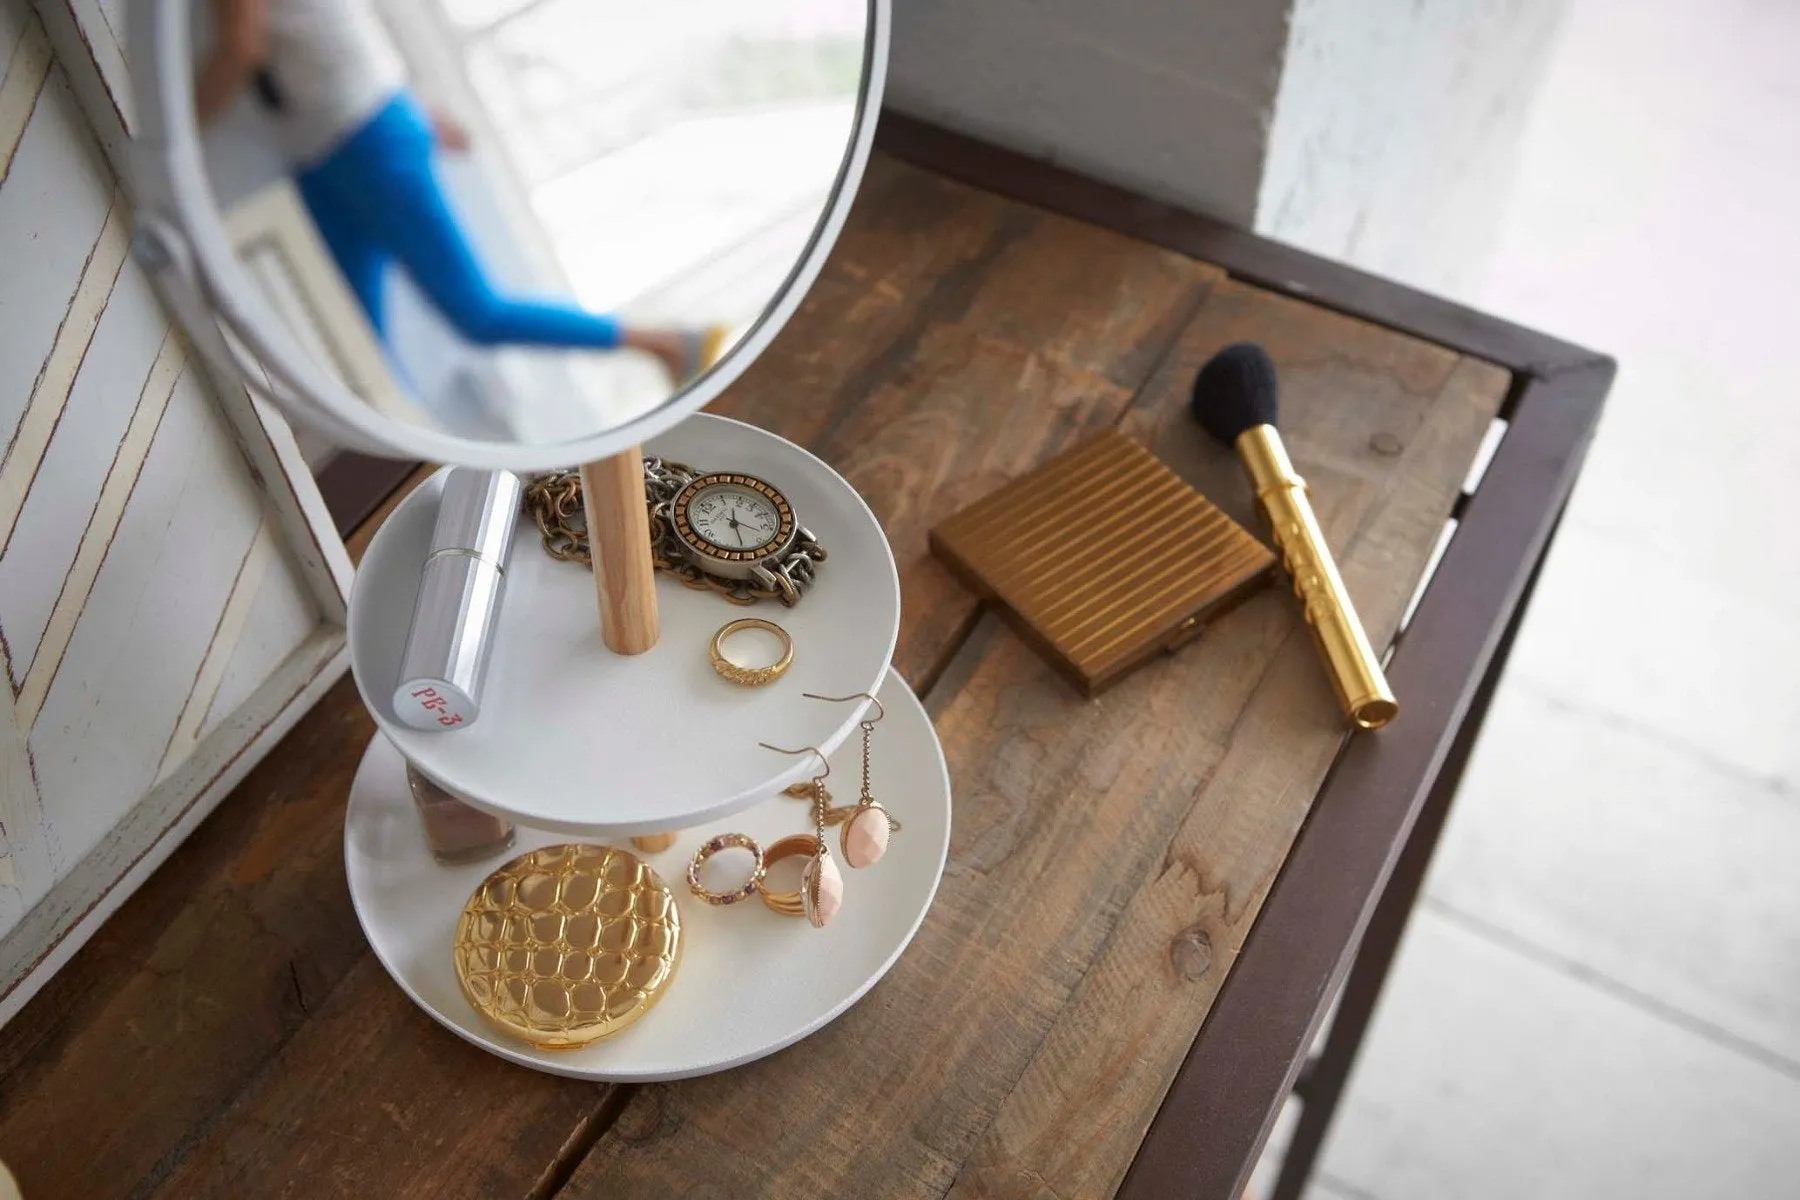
526,220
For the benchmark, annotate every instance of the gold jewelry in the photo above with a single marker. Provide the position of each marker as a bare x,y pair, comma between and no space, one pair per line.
867,826
788,904
566,945
821,884
781,569
726,841
751,676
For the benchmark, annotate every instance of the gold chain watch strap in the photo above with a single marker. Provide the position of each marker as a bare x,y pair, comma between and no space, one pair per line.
554,501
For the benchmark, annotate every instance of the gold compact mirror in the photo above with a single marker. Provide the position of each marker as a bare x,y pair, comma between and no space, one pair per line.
498,232
566,945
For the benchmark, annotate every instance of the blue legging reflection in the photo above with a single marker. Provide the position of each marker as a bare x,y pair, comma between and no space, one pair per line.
377,199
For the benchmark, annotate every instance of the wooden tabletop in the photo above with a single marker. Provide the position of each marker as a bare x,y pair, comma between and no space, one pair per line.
230,1033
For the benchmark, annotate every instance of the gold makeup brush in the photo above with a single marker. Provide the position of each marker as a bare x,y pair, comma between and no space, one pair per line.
1234,399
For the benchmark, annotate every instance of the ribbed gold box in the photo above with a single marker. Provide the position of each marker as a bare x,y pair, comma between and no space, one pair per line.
1103,557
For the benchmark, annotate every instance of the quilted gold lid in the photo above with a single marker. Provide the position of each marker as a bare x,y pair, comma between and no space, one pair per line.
568,944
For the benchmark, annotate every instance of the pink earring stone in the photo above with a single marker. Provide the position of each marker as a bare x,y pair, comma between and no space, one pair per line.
830,890
866,837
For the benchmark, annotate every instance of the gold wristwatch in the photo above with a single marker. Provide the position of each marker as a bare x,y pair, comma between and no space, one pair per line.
727,532
732,527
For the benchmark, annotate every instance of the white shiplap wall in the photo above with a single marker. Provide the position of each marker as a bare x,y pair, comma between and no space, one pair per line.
171,594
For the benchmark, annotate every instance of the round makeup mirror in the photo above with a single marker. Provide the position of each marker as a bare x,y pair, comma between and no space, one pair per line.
501,233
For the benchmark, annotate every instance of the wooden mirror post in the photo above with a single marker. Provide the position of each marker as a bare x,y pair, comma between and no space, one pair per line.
612,494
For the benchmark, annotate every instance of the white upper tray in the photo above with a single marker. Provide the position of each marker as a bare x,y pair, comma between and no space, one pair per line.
576,739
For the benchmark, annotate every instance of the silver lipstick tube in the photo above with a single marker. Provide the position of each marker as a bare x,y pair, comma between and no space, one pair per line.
460,591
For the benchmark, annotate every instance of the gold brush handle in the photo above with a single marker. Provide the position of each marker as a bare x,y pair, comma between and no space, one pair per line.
1356,674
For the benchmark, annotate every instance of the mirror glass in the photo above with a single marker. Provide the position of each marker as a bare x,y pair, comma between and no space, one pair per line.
525,221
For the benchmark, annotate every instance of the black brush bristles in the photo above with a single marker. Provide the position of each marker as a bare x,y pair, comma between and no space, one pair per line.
1235,391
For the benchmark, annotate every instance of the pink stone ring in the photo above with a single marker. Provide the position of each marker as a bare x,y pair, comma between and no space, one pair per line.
726,841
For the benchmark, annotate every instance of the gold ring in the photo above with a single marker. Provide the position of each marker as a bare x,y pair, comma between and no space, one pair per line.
751,676
726,841
788,904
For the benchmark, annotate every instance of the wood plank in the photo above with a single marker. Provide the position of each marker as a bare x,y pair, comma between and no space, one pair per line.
140,635
137,644
142,839
50,393
1024,401
358,541
194,984
89,442
229,1033
317,1061
227,632
103,520
21,814
1213,877
1254,259
90,52
1356,843
229,952
1108,859
373,1098
53,205
51,179
952,342
13,19
281,619
24,64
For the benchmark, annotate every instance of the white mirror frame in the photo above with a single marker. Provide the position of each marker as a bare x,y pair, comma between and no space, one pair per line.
181,240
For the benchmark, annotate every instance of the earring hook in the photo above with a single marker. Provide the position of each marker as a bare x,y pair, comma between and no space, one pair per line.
823,761
880,710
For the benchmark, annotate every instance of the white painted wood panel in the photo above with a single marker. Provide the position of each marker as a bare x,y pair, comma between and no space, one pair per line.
24,59
121,687
171,591
63,493
53,204
12,28
96,539
281,619
93,888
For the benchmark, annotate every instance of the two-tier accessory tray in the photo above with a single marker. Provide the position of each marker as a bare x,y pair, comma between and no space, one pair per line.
578,743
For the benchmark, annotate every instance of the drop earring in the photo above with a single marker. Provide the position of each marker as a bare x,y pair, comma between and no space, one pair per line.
821,883
868,826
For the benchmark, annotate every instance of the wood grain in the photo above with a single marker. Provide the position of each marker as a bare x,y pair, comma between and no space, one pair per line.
612,497
96,536
228,1033
1231,842
1108,859
371,1098
187,993
358,542
954,341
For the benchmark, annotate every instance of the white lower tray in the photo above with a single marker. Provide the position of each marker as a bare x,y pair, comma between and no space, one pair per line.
749,982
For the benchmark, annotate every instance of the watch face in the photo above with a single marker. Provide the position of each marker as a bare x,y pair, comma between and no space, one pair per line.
732,519
730,516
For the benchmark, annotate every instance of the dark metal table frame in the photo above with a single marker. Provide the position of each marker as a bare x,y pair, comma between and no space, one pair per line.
1334,916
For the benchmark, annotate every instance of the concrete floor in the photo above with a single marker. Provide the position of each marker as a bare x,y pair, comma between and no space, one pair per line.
1600,996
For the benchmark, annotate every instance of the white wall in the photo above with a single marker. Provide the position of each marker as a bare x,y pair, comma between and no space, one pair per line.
1169,97
1395,131
1380,132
